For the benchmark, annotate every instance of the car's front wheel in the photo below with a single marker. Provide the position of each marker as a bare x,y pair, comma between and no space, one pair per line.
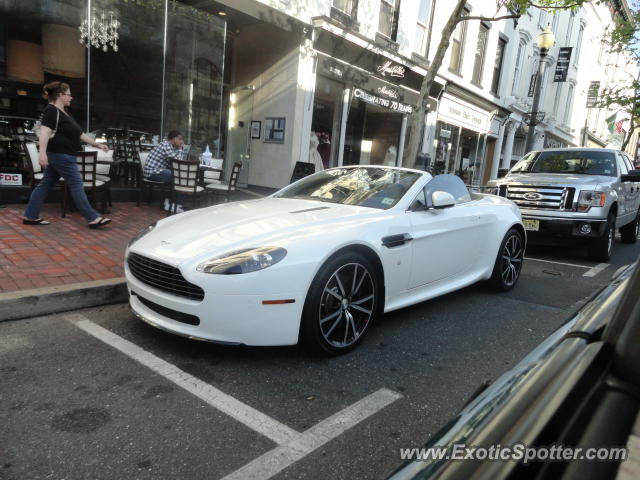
506,270
341,304
600,248
629,233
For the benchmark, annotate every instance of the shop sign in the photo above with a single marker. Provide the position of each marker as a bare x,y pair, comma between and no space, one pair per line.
592,94
445,133
388,92
382,102
390,69
10,179
562,66
464,115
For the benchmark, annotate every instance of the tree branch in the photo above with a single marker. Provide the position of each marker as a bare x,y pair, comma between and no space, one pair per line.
489,19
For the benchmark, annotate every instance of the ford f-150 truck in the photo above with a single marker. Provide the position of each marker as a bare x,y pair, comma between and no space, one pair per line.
583,193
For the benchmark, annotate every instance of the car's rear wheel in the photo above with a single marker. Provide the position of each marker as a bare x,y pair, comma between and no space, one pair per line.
341,304
600,248
629,233
506,270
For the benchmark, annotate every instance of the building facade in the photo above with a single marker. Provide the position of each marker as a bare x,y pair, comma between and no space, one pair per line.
264,82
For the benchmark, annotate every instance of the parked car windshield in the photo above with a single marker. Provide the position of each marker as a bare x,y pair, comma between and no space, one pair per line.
576,162
363,186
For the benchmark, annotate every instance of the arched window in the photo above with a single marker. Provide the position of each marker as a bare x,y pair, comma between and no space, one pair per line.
572,16
579,43
569,105
557,101
517,71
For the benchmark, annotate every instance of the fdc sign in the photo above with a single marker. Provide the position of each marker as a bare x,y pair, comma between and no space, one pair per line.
10,179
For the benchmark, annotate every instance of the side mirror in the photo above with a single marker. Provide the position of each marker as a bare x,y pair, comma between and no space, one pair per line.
632,176
440,200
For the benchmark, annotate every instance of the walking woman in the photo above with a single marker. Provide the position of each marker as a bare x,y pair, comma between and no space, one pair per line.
60,138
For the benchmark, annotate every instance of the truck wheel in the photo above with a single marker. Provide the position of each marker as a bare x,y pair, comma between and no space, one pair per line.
629,233
600,248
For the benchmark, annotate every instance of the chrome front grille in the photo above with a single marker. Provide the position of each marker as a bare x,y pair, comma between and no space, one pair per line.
541,197
163,277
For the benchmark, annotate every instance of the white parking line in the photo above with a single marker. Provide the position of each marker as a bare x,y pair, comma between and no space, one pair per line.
558,263
292,445
595,270
273,462
252,418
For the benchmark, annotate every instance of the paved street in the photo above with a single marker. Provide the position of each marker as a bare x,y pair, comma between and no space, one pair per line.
99,394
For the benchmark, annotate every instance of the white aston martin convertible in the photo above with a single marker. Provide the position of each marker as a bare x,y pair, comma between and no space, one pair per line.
321,259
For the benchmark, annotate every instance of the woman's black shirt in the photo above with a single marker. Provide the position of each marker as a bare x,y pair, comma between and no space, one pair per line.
67,137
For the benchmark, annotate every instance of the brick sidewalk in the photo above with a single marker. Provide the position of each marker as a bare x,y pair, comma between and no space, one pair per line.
66,251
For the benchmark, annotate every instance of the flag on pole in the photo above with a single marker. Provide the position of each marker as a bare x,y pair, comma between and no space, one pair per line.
611,123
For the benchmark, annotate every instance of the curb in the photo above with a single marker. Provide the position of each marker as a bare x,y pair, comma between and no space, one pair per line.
48,300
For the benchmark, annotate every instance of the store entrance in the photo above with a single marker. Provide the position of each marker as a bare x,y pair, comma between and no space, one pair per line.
327,117
459,151
372,135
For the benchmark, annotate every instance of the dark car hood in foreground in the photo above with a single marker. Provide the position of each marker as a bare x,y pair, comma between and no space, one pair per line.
516,407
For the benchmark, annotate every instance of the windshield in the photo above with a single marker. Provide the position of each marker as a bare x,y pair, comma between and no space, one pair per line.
363,186
576,162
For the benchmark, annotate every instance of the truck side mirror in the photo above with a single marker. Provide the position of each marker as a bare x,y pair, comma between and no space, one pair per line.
632,176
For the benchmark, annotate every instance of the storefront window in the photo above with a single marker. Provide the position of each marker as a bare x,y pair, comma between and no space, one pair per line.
40,45
460,152
128,82
194,75
126,86
372,135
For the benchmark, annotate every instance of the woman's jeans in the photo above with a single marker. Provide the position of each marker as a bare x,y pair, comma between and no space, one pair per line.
65,166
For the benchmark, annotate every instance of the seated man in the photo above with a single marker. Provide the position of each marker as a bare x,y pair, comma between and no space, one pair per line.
157,168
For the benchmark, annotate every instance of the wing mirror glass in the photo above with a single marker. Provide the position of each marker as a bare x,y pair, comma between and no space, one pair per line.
440,199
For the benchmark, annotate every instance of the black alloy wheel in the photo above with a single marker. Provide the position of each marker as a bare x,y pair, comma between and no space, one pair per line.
341,305
506,270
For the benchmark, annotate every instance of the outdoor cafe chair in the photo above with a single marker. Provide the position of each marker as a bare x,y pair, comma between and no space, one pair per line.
228,189
87,164
149,185
185,182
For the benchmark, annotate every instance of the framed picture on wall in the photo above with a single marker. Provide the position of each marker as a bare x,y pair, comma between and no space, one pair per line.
255,128
274,129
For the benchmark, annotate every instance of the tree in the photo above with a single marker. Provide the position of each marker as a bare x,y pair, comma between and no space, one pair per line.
505,9
623,39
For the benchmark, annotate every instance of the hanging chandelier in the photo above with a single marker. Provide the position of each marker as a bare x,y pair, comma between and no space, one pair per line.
101,33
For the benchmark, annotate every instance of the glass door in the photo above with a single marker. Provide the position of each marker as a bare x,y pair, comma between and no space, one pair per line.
238,142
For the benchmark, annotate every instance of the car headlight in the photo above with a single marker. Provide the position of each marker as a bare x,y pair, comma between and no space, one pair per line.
591,198
243,261
141,234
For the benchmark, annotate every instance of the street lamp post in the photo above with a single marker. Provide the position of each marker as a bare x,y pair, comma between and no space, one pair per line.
545,41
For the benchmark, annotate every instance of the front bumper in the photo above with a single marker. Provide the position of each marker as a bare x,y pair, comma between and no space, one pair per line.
564,227
227,314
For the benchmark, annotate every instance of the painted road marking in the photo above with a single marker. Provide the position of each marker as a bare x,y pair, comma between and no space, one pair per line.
595,270
252,418
273,462
292,445
558,263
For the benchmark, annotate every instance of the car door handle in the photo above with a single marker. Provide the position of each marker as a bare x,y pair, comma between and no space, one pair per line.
396,240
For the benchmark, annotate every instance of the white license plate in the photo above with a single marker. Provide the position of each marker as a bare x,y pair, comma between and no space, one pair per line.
531,225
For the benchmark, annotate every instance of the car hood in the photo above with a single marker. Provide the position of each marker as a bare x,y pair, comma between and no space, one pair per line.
222,228
556,179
